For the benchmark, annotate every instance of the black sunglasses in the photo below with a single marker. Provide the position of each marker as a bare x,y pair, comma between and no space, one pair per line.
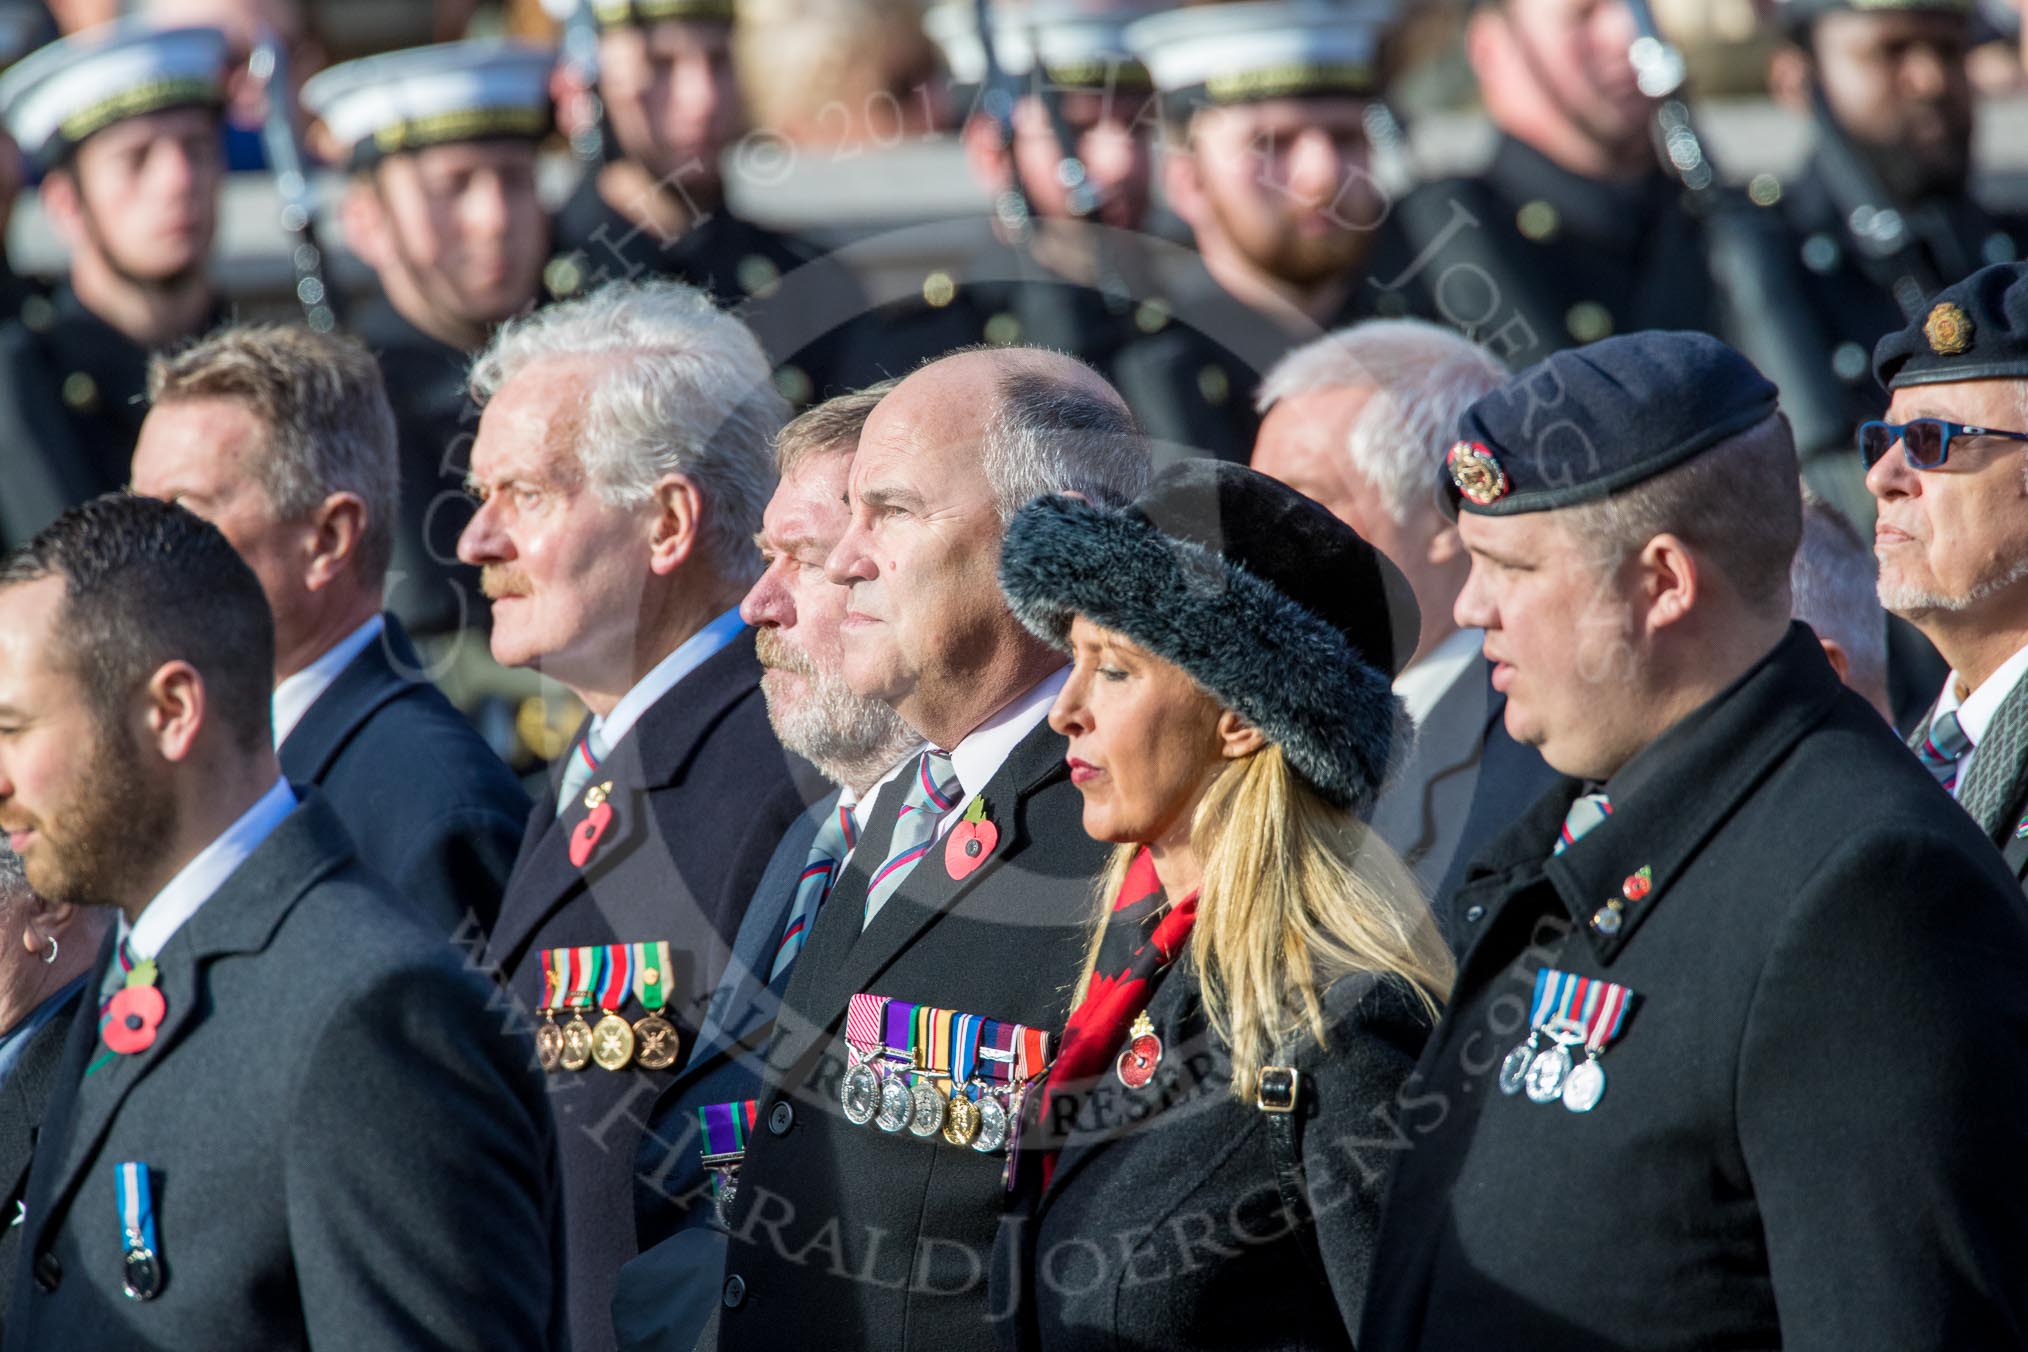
1925,442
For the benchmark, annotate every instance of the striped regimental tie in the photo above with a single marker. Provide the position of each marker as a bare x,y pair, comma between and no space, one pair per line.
932,792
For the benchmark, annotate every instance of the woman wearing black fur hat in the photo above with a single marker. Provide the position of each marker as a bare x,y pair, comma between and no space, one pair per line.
1203,1166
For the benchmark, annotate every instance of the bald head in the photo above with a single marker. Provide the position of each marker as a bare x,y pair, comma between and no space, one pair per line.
944,461
1042,422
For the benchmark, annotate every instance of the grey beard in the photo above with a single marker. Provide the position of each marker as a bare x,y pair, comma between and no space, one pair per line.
852,741
1910,601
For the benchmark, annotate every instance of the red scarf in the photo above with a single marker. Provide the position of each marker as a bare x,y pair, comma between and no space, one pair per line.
1143,937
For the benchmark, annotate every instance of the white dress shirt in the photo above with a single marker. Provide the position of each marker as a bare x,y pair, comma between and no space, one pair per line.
986,748
1976,710
294,696
690,654
1424,683
201,878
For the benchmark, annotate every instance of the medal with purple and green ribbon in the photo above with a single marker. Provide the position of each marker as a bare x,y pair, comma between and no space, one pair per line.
897,1042
141,1272
725,1129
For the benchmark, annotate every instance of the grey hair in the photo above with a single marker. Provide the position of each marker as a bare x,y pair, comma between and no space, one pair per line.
1833,586
682,388
833,425
1424,376
1739,505
1054,431
324,405
13,877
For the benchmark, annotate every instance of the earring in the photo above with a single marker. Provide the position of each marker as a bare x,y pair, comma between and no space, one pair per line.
50,956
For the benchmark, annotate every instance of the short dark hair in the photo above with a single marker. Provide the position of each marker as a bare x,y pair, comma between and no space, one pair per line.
148,582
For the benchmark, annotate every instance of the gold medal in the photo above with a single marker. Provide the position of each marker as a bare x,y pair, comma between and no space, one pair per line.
548,1044
612,1042
656,1043
961,1123
577,1044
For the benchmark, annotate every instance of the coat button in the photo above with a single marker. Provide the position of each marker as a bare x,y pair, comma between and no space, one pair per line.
780,1118
735,1291
1474,914
48,1272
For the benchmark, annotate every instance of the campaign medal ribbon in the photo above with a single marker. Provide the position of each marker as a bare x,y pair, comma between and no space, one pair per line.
141,1271
995,1056
859,1090
1551,1067
1514,1070
1606,1006
725,1127
961,1122
613,1036
655,1041
577,1034
549,1037
931,1045
897,1041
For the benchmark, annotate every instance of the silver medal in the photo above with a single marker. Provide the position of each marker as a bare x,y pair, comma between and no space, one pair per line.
1514,1070
896,1106
1585,1087
927,1119
728,1185
1546,1074
992,1137
859,1094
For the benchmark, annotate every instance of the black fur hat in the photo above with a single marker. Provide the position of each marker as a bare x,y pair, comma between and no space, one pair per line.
1269,602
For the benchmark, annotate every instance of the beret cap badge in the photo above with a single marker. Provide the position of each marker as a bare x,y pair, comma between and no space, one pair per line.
1477,474
1948,329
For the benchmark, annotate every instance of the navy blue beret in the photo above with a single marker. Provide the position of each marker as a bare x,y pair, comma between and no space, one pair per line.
1976,330
1593,421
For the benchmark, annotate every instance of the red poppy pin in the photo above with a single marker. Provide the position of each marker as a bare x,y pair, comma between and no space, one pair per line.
132,1017
970,842
586,835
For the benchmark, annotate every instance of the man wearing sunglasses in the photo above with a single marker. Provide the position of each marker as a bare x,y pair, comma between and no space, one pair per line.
1950,475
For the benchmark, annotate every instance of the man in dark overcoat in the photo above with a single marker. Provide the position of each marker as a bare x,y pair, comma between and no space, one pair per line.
1739,1055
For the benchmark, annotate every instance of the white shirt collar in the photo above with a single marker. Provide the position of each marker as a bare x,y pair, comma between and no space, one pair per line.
1422,683
294,696
690,654
1976,710
201,878
985,748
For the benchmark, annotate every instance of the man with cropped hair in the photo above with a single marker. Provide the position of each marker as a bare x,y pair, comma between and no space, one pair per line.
1358,420
288,1117
621,469
283,439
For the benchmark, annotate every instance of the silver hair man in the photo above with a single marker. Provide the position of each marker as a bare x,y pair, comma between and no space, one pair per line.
679,387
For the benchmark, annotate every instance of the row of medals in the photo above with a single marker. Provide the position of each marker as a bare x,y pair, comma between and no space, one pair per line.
880,1094
612,1043
1548,1073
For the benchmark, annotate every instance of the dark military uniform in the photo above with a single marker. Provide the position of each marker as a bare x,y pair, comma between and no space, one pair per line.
1816,1128
435,421
803,307
1792,1103
73,394
1529,257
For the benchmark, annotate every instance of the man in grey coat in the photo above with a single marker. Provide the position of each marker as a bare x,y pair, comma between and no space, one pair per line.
285,1115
